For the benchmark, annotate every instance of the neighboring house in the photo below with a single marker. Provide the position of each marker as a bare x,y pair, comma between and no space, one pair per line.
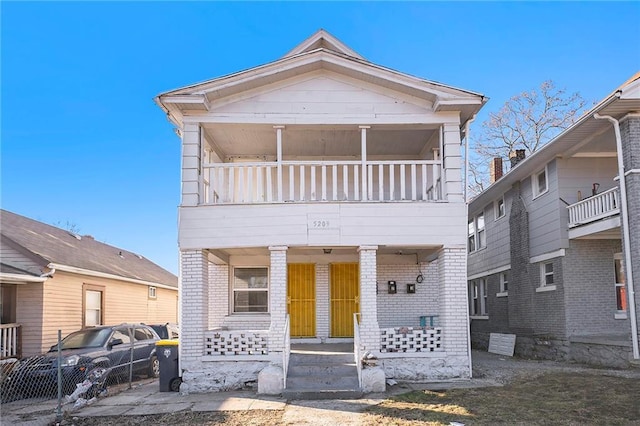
546,255
53,279
314,187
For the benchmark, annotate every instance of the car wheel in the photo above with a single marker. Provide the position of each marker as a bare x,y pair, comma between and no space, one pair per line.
154,367
174,384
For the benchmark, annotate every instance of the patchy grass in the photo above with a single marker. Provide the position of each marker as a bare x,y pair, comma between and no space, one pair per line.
567,398
549,399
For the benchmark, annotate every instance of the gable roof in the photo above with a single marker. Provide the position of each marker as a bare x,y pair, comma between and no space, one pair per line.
320,51
623,100
46,244
321,39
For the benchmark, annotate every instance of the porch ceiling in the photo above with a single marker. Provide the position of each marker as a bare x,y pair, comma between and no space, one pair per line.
405,253
237,140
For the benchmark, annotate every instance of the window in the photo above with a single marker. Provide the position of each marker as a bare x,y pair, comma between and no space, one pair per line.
250,290
504,282
546,274
93,305
152,292
499,208
540,185
477,234
621,290
478,297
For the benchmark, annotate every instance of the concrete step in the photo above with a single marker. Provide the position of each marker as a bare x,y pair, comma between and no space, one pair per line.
291,394
304,370
319,359
322,383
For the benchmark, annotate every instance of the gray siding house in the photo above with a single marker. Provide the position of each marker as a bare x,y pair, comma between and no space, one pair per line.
547,255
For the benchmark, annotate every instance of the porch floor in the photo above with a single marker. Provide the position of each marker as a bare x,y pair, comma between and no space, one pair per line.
604,339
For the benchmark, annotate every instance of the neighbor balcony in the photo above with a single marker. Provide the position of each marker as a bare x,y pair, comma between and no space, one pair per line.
596,215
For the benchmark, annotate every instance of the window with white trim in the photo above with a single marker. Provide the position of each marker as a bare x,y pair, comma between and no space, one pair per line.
250,290
478,293
540,182
546,274
499,208
92,305
621,289
504,282
477,234
153,293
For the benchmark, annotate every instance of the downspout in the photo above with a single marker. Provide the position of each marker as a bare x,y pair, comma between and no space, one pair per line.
466,201
625,229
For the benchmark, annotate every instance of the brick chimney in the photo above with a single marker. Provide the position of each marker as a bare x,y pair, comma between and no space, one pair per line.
495,169
516,156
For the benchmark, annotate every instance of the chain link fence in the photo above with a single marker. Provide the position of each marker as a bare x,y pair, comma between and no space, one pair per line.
67,378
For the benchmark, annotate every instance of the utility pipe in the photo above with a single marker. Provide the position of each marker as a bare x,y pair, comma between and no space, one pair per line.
466,200
624,211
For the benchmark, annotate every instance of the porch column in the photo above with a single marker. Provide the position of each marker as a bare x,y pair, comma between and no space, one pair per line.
452,163
194,299
454,305
279,158
191,164
277,297
369,328
363,155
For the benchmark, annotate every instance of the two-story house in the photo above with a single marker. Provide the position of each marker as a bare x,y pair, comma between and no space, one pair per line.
321,202
555,242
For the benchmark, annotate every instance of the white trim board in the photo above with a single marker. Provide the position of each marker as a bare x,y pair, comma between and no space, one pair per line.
489,272
547,256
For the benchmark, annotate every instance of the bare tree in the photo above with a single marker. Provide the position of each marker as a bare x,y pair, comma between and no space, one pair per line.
526,121
68,226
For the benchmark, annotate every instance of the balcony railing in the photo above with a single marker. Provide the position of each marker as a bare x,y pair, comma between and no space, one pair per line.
9,341
590,209
318,181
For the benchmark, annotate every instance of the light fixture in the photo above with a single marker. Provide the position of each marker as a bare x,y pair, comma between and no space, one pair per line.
327,251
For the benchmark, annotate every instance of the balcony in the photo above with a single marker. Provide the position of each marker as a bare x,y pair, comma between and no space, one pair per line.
598,214
322,181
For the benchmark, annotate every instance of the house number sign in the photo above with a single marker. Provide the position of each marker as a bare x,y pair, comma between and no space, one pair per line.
323,222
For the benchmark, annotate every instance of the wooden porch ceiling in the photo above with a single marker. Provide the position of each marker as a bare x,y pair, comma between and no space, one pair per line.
235,140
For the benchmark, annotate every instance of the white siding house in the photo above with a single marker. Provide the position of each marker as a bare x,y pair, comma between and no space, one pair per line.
309,185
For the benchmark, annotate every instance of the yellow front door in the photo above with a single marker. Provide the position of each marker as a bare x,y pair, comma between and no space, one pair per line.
345,298
301,299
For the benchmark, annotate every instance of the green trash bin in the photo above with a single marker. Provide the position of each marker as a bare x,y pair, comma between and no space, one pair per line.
167,353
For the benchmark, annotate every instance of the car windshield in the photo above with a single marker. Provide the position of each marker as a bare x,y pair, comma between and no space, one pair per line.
90,338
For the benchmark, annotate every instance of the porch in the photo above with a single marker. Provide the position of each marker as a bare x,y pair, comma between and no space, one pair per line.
10,341
368,297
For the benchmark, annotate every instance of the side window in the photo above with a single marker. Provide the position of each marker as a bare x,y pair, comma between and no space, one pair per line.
539,182
142,334
123,334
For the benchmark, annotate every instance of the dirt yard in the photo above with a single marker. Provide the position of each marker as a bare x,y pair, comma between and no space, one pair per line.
523,392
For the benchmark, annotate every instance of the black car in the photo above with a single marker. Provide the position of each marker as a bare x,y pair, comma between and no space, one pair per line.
112,348
167,330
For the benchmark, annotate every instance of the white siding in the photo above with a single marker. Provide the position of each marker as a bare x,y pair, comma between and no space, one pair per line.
350,224
323,93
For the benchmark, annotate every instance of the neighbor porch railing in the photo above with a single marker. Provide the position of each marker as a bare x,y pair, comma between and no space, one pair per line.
317,181
411,339
9,341
231,343
594,208
357,351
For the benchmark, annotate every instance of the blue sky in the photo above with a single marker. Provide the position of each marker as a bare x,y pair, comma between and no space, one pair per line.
83,142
